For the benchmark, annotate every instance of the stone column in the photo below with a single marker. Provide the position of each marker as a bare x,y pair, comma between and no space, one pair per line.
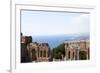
77,54
88,53
66,54
36,50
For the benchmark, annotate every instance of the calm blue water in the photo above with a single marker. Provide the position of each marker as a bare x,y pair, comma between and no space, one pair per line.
54,41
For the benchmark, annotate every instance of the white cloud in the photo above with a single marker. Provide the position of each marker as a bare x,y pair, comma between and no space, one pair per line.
79,24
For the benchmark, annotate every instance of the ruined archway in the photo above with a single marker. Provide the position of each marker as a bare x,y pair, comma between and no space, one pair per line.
33,55
82,55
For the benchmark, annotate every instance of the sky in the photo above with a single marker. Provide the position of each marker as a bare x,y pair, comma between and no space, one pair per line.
44,23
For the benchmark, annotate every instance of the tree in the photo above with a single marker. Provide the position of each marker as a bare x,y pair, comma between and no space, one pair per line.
58,51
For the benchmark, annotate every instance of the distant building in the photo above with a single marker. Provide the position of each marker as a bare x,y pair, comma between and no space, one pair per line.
77,50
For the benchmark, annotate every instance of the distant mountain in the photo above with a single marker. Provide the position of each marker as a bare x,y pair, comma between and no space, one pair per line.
56,40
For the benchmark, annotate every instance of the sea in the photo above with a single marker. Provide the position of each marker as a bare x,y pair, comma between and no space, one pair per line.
56,40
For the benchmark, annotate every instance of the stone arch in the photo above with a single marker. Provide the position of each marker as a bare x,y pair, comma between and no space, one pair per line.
33,55
68,54
82,55
44,53
73,55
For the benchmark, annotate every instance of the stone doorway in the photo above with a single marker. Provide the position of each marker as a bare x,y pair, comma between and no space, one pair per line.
82,55
33,55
